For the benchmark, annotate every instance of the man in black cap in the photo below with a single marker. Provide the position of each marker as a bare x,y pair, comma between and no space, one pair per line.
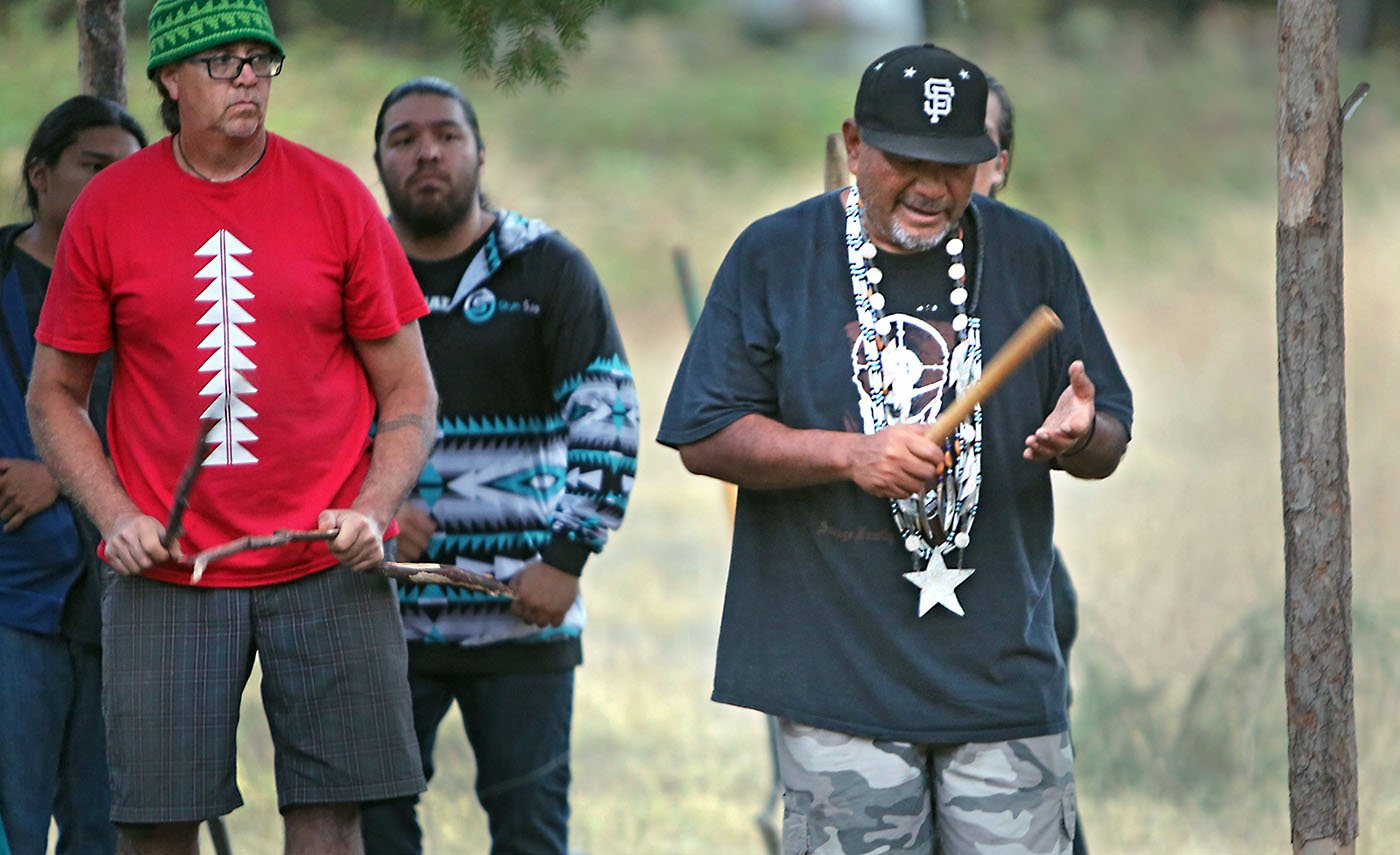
909,656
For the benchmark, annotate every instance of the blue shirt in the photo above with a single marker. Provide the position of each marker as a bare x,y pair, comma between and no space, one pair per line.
42,559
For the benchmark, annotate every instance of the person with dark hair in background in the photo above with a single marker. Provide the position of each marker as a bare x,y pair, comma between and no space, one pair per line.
888,596
993,175
991,178
53,763
535,460
255,300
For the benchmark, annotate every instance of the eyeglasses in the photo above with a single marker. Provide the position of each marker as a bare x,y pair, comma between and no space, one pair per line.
228,67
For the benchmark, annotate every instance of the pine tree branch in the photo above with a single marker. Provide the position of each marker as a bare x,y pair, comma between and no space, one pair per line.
519,41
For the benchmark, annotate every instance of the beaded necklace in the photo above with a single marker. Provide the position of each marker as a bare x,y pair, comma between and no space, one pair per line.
952,503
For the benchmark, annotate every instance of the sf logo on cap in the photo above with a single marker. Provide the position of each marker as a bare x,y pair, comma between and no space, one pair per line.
938,98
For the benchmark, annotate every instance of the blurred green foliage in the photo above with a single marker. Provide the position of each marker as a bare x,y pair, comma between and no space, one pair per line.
513,41
1125,126
521,40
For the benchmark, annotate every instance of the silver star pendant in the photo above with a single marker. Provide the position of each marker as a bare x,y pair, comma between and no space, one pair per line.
936,584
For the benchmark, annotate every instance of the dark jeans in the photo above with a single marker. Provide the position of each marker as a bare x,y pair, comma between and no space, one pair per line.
53,759
518,727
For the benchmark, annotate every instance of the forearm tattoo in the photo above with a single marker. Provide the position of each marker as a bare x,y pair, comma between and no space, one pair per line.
426,431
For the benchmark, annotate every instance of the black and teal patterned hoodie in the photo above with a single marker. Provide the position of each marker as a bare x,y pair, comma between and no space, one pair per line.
537,437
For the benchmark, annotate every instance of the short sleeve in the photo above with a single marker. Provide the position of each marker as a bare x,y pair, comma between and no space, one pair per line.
77,313
1084,338
729,367
381,293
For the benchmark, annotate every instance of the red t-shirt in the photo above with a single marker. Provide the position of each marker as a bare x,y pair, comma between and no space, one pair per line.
236,301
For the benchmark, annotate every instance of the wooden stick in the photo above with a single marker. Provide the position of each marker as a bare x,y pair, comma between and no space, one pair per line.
690,297
173,523
1032,335
218,836
447,574
280,537
439,574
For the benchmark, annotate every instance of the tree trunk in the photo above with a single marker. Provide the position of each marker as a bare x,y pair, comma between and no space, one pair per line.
102,48
1312,424
834,173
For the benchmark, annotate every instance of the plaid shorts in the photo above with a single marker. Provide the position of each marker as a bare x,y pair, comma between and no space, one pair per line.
334,687
847,794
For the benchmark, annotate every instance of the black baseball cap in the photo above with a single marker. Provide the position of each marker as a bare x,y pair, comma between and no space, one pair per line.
924,102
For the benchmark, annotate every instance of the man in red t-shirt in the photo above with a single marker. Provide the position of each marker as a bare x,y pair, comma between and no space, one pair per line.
244,279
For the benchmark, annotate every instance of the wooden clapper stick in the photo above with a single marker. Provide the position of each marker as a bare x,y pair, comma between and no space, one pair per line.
1030,337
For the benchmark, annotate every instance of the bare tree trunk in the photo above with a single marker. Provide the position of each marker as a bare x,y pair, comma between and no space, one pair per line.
102,48
1312,424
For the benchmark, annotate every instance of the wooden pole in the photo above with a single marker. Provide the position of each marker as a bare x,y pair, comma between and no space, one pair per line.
835,172
1322,790
102,48
690,296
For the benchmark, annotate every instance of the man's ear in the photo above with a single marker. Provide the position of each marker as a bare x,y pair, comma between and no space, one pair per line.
1002,160
850,133
167,75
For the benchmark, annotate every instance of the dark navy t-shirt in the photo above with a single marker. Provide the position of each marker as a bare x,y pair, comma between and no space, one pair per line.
819,624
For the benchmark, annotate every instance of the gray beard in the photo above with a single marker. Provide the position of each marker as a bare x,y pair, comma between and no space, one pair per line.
906,241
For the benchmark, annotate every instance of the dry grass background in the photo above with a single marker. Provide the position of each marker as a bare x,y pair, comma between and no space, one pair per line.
1154,157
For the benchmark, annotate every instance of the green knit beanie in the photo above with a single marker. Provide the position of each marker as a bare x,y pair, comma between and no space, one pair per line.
180,28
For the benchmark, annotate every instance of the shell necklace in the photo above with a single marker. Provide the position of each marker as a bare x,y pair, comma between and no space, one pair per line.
936,522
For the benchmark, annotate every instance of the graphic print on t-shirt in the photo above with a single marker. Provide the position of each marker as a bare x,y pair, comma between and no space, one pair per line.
228,365
915,364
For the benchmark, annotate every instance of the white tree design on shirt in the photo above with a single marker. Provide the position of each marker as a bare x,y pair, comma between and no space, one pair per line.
228,363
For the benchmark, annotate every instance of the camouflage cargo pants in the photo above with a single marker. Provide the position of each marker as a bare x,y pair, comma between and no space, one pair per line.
846,795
